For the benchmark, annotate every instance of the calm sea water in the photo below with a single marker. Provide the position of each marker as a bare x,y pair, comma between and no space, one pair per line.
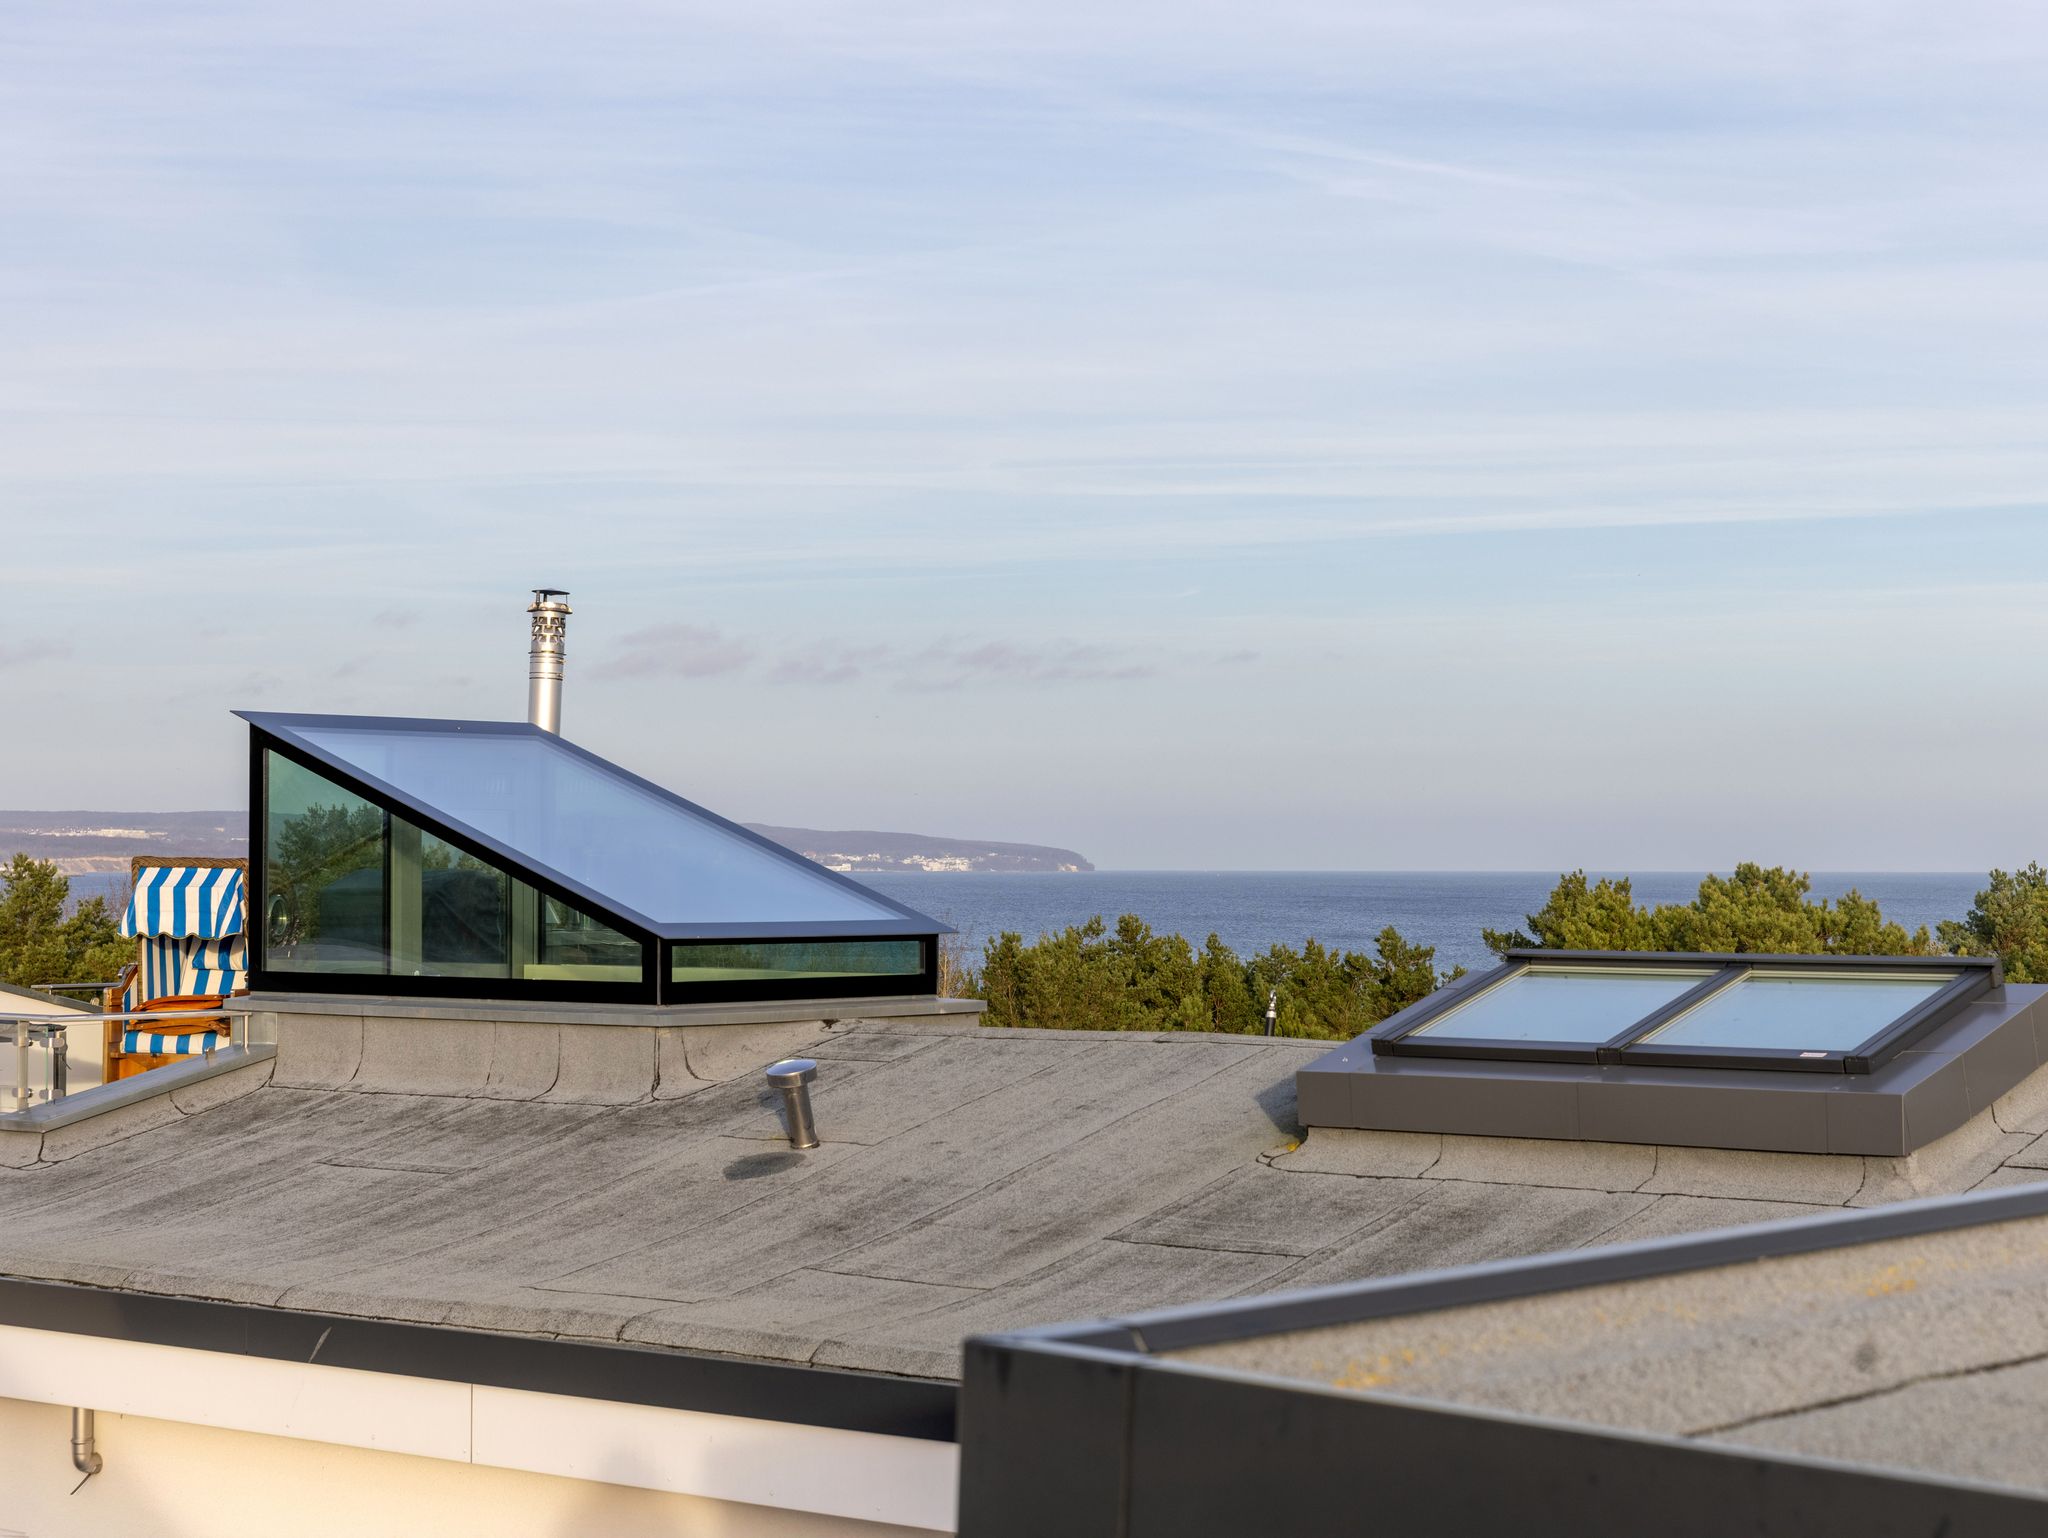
1345,909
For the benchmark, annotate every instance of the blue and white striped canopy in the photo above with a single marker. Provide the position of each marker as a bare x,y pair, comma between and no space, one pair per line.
187,902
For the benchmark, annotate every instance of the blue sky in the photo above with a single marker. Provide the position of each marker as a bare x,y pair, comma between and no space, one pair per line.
1493,436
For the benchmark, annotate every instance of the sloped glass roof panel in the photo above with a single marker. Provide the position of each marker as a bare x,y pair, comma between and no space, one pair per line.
650,855
1801,1012
1564,1004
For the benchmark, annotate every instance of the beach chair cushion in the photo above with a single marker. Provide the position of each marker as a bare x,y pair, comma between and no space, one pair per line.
167,1044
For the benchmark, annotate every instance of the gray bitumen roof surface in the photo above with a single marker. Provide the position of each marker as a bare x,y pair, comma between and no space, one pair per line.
635,1184
1926,1353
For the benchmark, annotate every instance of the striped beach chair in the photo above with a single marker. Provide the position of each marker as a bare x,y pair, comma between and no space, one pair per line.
187,919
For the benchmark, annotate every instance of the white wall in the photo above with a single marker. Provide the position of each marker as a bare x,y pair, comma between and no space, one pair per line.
166,1479
86,1036
279,1424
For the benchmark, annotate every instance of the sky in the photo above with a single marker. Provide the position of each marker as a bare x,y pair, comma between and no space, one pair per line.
1294,436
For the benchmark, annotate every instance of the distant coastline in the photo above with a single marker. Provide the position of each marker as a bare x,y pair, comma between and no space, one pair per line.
1344,910
83,843
871,852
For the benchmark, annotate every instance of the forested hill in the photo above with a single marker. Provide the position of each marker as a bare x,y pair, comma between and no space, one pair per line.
867,850
85,841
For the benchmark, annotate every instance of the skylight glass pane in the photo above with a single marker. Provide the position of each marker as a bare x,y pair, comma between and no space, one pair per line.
1557,1004
353,889
713,961
1811,1012
596,826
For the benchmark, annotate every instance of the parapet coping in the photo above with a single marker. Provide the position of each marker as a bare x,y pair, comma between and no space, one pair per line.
157,1082
555,1012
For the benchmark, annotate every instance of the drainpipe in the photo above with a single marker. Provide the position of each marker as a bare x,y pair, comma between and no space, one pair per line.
544,658
84,1457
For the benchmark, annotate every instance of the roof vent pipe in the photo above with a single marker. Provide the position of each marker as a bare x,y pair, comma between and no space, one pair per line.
791,1079
544,658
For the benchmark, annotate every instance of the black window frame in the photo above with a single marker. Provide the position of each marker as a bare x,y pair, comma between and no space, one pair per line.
1971,978
871,985
658,942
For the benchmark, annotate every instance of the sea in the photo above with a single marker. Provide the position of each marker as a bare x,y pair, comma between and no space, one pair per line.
1252,910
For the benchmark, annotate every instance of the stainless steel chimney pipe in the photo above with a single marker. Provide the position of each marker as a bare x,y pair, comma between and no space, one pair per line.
791,1078
544,658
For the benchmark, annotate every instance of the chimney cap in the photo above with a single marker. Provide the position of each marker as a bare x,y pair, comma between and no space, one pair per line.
791,1072
542,594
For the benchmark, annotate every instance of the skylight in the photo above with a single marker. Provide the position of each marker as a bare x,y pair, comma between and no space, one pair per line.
657,859
1874,1055
488,859
1832,1014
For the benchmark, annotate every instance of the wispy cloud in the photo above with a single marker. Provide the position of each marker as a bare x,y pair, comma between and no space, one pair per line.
946,663
946,666
681,651
18,653
831,663
1212,358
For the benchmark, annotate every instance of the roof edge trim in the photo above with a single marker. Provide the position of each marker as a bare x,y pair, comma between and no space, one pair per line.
1420,1292
793,1393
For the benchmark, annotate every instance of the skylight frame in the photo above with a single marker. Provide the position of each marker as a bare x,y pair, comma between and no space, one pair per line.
1970,977
834,985
655,985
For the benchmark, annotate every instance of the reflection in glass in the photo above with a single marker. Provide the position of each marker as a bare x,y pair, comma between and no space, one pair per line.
323,873
352,888
1806,1012
597,826
1585,1005
763,960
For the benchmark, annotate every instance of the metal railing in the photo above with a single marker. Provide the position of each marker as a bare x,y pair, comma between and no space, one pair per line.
23,1030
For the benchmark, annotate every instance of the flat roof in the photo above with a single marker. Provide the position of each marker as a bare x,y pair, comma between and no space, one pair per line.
1871,1374
1924,1352
633,1185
